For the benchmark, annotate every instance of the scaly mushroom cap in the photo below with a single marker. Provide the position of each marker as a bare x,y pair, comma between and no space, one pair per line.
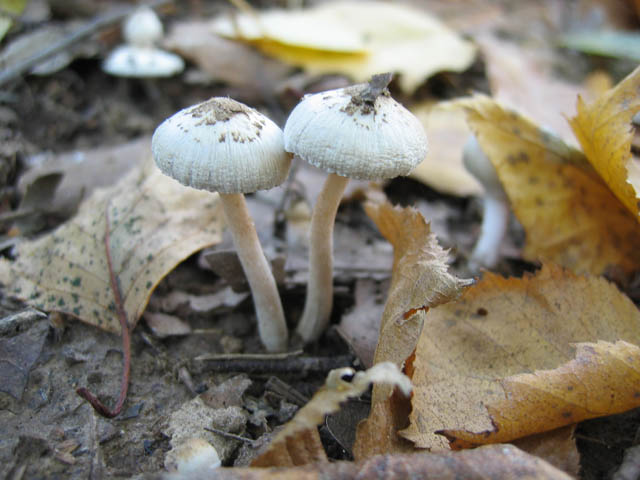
141,62
222,146
356,133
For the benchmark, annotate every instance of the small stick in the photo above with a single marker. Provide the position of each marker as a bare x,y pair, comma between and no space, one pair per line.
230,435
292,365
100,407
74,37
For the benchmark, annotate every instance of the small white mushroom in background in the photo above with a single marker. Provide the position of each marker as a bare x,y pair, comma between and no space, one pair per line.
355,132
139,57
224,146
495,213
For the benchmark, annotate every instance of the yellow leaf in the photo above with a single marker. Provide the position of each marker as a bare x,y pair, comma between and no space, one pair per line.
569,214
154,223
420,280
605,133
603,379
507,340
358,39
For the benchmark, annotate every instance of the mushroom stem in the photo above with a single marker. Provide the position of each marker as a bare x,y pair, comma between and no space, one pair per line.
494,226
319,300
272,327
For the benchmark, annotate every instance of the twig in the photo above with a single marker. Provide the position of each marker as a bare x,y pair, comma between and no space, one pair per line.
295,365
100,407
231,435
88,29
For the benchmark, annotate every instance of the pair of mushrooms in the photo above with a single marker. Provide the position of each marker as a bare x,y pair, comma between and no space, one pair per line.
224,146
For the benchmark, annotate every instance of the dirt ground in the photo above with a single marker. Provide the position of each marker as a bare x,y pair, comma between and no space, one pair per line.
48,431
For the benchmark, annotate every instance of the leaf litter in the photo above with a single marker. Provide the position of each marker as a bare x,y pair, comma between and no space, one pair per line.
154,223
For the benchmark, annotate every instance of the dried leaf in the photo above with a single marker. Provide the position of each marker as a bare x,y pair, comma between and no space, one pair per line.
420,280
18,354
604,130
476,356
327,400
513,69
558,447
358,39
154,223
447,131
361,325
602,380
492,461
79,171
224,60
569,214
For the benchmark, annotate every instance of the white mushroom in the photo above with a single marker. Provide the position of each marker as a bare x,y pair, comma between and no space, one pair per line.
139,57
355,132
224,146
142,28
495,206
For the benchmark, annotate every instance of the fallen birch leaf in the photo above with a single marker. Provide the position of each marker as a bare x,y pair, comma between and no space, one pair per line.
420,280
491,461
358,39
327,400
569,214
604,131
526,347
602,380
154,223
447,131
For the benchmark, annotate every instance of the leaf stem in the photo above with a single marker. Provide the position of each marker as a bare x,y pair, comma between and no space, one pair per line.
98,406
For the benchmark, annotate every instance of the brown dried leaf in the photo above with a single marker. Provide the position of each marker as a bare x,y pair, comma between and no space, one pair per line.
492,461
420,280
570,215
154,223
327,400
602,380
475,357
558,447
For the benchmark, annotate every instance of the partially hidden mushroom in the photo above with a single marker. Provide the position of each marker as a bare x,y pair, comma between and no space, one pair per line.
223,146
355,132
139,57
495,207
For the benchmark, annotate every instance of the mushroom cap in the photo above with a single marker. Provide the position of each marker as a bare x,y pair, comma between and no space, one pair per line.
341,132
142,28
132,61
479,165
221,145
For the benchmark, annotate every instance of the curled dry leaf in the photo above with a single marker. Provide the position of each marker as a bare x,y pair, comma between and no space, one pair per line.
474,362
604,131
601,380
358,39
420,280
154,223
570,215
492,461
327,400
